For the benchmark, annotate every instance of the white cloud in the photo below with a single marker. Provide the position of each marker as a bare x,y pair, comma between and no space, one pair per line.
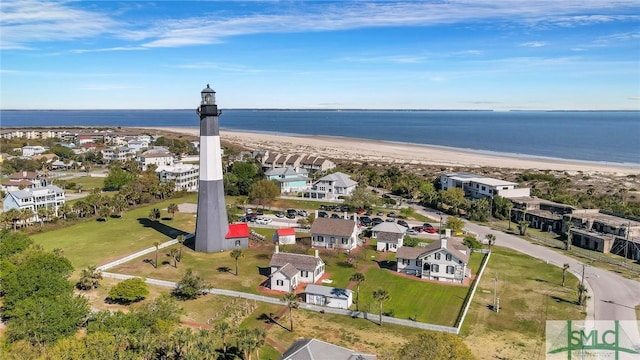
534,44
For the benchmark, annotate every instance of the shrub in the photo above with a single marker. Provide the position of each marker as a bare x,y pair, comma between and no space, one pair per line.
128,291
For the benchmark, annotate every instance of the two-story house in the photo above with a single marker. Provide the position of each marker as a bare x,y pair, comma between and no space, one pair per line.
289,269
478,186
49,196
121,154
158,157
30,150
334,233
289,179
389,236
331,187
444,260
184,176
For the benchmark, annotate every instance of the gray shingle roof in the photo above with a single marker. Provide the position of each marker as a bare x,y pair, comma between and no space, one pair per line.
406,252
340,179
299,261
390,227
388,237
335,227
287,270
313,349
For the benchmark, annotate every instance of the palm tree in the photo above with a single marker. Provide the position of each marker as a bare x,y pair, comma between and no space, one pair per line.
565,267
104,212
181,239
247,342
236,253
154,214
89,278
26,214
491,239
582,294
119,204
223,329
172,209
14,216
261,336
381,296
174,254
157,245
358,278
291,299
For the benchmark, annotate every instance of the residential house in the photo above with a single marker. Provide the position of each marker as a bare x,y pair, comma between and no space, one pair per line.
85,139
334,233
293,161
309,269
121,154
331,187
184,176
309,349
159,158
444,260
49,196
237,236
137,145
285,236
289,179
32,150
24,180
478,186
389,236
316,164
328,296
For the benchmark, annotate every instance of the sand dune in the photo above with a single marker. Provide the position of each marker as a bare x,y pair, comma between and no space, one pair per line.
371,151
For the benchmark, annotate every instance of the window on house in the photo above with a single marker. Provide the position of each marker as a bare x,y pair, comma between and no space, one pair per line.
436,256
484,188
448,257
435,268
304,273
450,269
280,282
237,243
320,238
345,241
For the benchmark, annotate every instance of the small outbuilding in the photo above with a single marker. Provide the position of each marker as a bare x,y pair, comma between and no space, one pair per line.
237,237
285,236
328,296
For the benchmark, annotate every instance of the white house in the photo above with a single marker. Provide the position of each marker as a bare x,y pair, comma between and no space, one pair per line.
32,150
118,154
478,186
328,296
331,187
159,158
334,233
389,236
184,176
309,268
49,196
285,279
285,236
444,260
137,145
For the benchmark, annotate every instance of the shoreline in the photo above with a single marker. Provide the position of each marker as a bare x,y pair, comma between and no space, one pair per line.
397,153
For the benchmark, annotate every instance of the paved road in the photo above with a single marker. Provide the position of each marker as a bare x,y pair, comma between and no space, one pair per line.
613,297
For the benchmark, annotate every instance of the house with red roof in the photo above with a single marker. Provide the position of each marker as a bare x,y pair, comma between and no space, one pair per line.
285,236
237,237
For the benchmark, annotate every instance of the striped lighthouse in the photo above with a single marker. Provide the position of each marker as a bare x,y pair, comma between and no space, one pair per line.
212,224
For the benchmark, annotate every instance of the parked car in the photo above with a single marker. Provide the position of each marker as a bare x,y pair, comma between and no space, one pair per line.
431,230
389,220
418,228
391,214
368,213
403,223
365,220
377,220
427,225
259,212
293,212
280,214
263,221
322,214
251,217
380,213
360,211
412,232
303,213
248,211
336,216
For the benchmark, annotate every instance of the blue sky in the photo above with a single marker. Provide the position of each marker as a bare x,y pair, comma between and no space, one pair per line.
466,54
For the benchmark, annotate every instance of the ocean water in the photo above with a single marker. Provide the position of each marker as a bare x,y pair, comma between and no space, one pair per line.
599,136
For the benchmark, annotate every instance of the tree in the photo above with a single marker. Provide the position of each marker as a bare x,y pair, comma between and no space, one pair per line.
89,278
172,209
264,191
190,286
565,267
247,342
157,245
128,291
472,243
154,214
491,239
13,216
381,296
104,212
522,226
567,244
223,329
582,294
236,254
455,224
174,255
361,198
291,300
119,204
181,239
118,178
358,278
436,346
13,243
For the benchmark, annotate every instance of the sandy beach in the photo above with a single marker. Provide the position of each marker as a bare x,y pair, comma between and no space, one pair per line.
372,151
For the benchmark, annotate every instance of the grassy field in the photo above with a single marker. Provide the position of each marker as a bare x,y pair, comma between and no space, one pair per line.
530,293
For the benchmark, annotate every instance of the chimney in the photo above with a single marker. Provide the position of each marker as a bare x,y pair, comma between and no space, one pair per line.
316,214
316,254
443,243
278,249
344,215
